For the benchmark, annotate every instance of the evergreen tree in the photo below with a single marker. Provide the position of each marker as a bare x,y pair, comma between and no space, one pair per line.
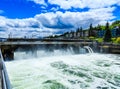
81,31
108,35
98,28
77,32
90,30
118,31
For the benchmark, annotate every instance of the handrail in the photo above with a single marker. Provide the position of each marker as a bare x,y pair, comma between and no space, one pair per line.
5,79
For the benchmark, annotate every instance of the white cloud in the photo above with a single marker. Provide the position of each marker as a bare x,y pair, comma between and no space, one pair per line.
50,23
38,1
75,19
22,27
2,21
99,3
55,9
67,4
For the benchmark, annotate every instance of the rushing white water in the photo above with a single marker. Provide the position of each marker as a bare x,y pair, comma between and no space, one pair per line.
64,71
89,49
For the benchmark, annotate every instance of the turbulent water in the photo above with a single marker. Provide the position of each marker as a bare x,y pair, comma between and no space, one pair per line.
62,70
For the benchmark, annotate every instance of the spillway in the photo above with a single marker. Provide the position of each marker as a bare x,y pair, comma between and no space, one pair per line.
64,70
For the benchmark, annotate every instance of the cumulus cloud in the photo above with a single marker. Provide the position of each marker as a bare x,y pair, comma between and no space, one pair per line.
66,4
5,22
69,20
54,20
44,24
38,1
51,23
22,27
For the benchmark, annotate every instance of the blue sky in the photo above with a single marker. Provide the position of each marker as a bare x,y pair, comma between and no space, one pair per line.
35,18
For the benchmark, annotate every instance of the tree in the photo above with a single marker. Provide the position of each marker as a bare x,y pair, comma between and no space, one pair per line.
77,31
108,35
98,29
116,22
117,31
90,30
81,31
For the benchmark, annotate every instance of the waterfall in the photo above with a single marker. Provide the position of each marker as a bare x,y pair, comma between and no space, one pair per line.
94,71
89,49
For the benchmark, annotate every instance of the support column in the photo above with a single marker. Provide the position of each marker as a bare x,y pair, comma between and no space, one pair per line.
8,53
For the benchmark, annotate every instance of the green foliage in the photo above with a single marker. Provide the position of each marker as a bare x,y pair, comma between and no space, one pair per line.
100,27
93,32
118,40
116,22
99,40
90,30
91,37
108,35
114,40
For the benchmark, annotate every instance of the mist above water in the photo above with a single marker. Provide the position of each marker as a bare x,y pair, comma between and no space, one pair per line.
61,69
46,52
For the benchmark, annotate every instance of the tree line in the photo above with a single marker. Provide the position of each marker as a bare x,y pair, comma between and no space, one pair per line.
107,31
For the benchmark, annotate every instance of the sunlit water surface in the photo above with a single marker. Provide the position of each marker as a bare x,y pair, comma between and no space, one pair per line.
81,71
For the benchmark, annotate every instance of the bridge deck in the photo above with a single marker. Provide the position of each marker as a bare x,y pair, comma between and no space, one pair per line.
39,42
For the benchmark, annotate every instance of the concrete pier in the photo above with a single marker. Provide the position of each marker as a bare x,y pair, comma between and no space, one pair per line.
109,48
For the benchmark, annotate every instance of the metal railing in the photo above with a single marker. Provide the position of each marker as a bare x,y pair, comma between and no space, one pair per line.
5,82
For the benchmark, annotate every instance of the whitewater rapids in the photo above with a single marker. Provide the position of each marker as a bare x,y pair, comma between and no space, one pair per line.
80,71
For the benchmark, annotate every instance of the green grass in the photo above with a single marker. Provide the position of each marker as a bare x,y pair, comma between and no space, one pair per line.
99,39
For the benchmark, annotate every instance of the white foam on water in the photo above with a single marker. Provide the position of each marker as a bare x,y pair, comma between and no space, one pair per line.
59,71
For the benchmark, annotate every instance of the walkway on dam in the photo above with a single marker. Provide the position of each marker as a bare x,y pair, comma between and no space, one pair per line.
39,42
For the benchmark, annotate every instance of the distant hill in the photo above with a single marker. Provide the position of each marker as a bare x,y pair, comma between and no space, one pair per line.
114,24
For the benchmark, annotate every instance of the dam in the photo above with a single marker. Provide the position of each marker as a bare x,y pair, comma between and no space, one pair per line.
66,65
10,45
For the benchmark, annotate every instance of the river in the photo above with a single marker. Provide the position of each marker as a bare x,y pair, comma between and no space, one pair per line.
64,70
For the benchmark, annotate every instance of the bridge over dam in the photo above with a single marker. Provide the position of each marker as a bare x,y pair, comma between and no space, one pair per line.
9,46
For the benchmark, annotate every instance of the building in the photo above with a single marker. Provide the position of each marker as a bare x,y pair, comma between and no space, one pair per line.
101,33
